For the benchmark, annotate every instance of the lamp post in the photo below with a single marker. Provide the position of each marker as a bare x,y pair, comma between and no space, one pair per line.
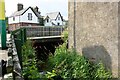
2,25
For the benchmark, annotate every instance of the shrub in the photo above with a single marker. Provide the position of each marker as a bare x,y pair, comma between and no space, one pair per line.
29,71
28,51
68,64
65,35
100,71
64,63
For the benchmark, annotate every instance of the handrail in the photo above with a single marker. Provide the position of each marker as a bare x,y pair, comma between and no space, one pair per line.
43,31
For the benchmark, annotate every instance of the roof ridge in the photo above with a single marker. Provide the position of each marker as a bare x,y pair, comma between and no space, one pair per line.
52,12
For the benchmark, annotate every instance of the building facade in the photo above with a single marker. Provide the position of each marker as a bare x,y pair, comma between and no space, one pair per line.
53,19
24,17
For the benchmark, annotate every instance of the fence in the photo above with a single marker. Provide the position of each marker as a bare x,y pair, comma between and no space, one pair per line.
43,31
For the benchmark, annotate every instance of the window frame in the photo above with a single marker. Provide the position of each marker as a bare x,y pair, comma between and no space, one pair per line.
29,16
47,20
58,18
13,18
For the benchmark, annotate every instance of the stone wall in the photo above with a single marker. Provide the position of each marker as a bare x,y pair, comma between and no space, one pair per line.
96,31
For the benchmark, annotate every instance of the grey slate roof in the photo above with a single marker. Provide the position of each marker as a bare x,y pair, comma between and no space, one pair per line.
18,13
52,15
21,12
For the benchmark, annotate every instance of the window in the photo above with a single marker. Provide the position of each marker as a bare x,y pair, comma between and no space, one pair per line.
47,20
29,16
58,24
58,18
13,18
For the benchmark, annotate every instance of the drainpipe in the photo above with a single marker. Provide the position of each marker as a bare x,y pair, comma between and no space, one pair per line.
74,27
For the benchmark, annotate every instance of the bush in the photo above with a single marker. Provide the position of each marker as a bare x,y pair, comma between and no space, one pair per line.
63,64
29,71
68,64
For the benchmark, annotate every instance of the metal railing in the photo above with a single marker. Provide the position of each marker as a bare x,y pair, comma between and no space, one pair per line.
20,38
43,31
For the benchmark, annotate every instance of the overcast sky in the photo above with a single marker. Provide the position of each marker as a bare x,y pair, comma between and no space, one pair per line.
45,6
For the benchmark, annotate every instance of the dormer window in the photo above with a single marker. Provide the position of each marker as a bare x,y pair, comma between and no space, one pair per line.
29,16
47,20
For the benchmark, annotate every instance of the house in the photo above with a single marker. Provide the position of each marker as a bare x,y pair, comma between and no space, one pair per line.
24,17
53,19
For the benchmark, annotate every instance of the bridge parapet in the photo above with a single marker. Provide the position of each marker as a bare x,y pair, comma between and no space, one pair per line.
43,31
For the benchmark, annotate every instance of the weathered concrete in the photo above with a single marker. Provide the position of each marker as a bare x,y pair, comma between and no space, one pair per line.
96,34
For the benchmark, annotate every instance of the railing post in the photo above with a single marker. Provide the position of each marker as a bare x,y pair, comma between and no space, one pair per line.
22,36
25,35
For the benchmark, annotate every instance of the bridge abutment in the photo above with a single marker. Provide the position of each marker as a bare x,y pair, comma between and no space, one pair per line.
94,30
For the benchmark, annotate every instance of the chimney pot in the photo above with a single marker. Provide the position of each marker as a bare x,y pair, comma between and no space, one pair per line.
20,6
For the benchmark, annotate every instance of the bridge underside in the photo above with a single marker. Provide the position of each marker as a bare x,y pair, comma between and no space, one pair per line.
45,47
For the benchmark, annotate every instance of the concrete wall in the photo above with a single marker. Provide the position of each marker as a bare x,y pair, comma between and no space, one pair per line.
96,32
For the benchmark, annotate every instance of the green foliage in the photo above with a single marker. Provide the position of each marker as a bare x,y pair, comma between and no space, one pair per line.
41,21
64,63
100,71
28,51
65,34
30,70
50,74
68,64
6,22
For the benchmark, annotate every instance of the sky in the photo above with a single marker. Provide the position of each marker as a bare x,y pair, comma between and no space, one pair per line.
45,6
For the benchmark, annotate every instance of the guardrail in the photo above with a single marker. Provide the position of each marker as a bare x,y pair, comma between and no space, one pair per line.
43,31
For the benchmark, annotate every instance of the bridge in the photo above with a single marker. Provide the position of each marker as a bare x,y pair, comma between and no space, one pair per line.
36,33
19,37
44,36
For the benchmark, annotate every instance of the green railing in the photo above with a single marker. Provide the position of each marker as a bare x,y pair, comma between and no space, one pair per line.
19,37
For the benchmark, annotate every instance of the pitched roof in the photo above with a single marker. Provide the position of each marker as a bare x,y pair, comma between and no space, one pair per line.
18,13
37,14
21,12
52,15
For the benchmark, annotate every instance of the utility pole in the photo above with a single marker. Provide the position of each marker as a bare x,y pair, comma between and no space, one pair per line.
2,25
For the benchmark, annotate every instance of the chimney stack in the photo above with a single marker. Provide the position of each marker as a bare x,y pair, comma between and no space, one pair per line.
36,9
20,6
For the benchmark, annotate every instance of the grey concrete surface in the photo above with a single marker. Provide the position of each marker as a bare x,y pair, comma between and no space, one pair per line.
94,30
